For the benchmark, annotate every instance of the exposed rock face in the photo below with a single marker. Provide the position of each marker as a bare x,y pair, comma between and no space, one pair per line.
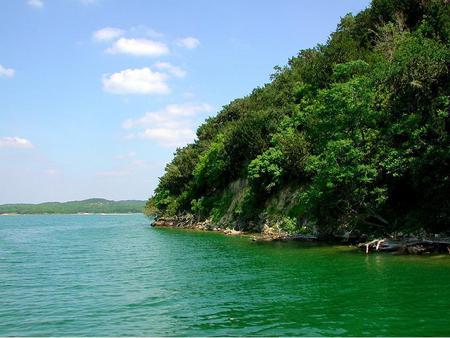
232,232
189,222
164,222
185,222
273,233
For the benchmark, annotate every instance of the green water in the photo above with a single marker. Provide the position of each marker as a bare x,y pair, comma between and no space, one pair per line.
113,275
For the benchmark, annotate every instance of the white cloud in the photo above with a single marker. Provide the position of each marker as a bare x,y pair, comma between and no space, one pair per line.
188,42
113,33
138,47
15,142
107,34
174,70
136,81
36,3
169,117
154,119
6,72
171,126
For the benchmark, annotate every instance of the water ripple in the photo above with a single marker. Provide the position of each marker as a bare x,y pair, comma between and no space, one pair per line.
113,275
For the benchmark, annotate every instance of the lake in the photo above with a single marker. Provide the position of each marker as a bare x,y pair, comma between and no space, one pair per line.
99,275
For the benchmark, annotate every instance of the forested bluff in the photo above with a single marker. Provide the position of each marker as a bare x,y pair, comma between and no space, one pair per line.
350,138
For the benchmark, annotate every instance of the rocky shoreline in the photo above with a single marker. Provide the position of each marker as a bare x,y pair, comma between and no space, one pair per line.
399,245
189,222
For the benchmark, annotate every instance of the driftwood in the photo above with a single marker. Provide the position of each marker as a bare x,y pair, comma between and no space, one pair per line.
371,244
411,246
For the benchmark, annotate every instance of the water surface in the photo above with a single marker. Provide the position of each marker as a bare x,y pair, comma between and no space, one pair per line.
102,275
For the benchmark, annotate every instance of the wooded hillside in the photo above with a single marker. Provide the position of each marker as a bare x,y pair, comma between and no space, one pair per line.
350,135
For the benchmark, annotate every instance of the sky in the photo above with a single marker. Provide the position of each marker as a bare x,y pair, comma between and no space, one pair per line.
96,95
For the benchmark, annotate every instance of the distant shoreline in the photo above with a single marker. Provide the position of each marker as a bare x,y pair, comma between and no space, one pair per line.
75,214
89,206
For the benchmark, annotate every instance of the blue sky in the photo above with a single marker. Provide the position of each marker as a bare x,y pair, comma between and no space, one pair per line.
95,95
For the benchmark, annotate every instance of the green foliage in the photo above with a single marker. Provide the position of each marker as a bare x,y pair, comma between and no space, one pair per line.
247,138
343,186
150,208
358,127
265,170
212,166
345,71
289,225
294,149
179,172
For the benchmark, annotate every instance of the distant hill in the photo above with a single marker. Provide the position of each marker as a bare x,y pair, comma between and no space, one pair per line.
93,205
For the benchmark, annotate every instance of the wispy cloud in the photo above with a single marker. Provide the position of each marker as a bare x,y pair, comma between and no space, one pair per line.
188,42
171,126
127,156
6,72
114,173
174,70
107,34
15,142
170,137
113,33
35,3
52,172
142,30
138,47
136,81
